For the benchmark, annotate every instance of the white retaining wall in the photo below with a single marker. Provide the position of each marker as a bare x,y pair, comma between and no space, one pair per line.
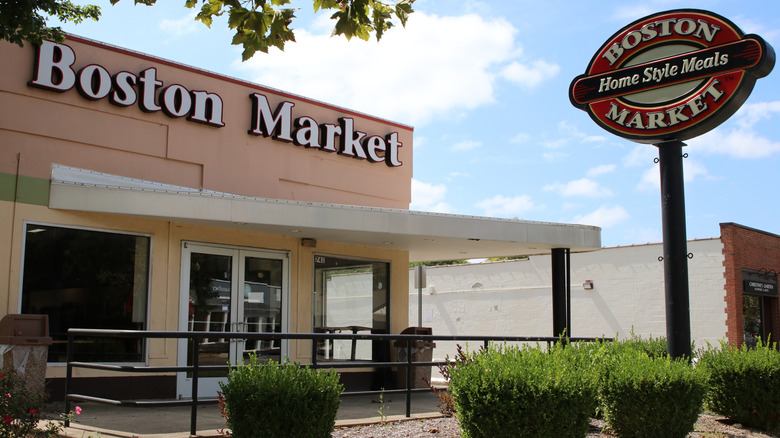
513,298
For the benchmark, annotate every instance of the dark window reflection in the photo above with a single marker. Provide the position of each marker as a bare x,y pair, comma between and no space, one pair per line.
87,279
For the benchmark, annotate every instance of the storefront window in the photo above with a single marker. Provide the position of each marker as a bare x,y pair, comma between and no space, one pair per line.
350,296
753,312
87,279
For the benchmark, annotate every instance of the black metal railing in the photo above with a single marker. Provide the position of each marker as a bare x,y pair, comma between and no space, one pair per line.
196,369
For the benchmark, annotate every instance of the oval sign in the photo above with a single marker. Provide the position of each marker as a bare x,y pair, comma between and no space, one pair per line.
673,75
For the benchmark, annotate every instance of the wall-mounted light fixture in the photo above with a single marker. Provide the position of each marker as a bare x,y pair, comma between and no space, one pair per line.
588,285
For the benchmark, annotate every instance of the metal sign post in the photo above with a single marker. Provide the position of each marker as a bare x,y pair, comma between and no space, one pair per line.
675,258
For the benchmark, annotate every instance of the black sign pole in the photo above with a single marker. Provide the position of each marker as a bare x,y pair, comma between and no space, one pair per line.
678,318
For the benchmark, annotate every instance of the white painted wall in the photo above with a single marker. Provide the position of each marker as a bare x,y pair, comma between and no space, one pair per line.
513,298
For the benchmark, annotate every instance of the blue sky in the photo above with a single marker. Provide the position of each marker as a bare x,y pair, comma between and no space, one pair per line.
485,85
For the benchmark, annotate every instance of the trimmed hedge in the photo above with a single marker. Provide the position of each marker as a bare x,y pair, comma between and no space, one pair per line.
744,384
514,392
643,397
280,400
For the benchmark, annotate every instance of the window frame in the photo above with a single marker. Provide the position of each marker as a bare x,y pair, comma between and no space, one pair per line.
366,260
147,316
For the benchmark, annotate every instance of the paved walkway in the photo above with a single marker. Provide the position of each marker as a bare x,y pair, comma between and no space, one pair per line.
103,421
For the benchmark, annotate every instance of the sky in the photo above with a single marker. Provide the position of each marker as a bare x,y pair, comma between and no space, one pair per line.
485,86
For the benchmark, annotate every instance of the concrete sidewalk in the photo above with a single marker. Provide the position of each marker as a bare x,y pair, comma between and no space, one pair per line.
104,421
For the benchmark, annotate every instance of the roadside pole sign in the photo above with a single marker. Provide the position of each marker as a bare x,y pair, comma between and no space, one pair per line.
671,76
661,80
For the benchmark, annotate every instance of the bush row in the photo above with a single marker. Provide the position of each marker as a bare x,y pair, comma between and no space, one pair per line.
744,384
280,400
529,392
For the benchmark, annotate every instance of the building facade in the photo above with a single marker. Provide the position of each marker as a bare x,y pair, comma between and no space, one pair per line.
138,193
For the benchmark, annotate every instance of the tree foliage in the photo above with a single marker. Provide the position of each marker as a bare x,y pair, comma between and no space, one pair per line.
439,263
501,259
25,20
258,24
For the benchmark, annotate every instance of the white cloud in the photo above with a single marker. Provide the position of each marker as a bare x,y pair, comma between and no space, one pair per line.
529,76
466,145
453,175
581,187
604,217
737,143
553,157
503,206
520,138
181,26
640,155
693,169
651,178
601,170
742,141
568,133
431,69
429,197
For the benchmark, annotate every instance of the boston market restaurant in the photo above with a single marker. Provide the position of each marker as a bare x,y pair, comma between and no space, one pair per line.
137,193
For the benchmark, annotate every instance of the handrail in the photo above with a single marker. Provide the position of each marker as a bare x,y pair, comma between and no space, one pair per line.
195,368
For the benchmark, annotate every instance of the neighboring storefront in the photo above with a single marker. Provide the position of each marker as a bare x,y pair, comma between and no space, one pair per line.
137,193
752,261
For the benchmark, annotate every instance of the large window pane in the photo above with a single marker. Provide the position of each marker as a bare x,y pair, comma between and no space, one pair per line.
350,296
87,279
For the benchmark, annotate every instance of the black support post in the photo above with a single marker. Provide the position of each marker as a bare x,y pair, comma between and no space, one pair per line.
678,318
560,291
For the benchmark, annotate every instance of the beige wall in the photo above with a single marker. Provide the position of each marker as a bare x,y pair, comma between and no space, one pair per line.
47,127
40,127
164,292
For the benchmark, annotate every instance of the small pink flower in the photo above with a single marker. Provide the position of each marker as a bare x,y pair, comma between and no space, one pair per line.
7,420
32,411
78,410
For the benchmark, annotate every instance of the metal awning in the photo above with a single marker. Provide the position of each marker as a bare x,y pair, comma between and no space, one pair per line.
426,236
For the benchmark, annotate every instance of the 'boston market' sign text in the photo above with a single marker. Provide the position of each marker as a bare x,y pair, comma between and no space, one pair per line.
671,76
54,71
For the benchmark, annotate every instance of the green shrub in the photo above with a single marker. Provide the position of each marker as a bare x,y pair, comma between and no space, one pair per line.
514,392
744,384
21,407
652,347
280,400
642,397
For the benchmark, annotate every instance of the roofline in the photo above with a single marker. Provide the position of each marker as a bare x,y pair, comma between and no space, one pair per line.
231,79
722,224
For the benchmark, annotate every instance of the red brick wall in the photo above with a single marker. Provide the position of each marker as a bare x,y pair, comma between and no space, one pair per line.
747,248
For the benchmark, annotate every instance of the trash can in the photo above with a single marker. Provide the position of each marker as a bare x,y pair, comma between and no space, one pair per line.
24,344
422,351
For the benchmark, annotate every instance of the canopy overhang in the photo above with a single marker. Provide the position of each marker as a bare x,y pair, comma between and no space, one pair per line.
426,236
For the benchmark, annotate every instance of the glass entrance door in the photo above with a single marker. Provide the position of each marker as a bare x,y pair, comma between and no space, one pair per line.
230,290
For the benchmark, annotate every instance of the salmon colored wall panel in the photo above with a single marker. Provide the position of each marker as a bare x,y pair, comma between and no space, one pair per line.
231,158
81,125
36,154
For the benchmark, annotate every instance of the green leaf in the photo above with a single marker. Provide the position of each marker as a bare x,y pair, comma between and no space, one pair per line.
258,23
236,18
403,9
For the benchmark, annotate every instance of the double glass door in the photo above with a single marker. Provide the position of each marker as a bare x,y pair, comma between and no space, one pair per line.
230,290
